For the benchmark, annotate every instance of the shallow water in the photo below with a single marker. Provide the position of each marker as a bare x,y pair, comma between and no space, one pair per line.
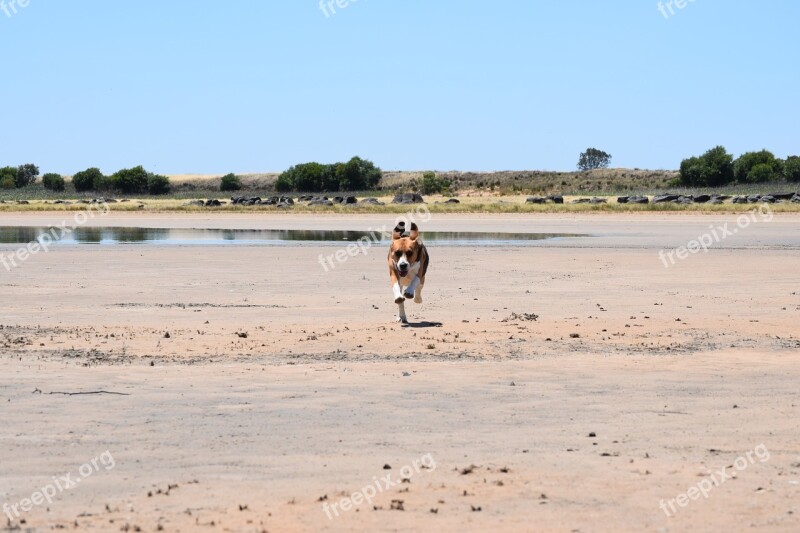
205,237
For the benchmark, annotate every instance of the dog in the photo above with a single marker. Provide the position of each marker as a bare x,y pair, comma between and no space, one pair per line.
408,264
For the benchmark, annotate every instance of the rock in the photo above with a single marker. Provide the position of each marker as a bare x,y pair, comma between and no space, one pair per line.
796,199
716,201
623,199
213,203
536,200
372,201
739,199
23,202
338,199
701,199
782,195
597,200
768,199
722,197
349,200
638,200
684,200
663,198
582,201
321,201
556,198
408,198
453,201
753,198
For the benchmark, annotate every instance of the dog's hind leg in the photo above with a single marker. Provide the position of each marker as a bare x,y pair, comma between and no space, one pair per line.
401,315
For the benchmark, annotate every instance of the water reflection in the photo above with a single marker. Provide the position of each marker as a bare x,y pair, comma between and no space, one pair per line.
84,235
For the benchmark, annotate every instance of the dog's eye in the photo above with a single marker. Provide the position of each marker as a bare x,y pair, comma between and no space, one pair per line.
398,254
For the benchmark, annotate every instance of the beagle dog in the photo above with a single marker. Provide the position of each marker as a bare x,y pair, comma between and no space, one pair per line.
408,264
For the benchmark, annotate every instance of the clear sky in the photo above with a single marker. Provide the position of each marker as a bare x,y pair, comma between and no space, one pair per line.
199,86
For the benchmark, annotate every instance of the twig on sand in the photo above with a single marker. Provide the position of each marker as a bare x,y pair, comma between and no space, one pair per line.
82,393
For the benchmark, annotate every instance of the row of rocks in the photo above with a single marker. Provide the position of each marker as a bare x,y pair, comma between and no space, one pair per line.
555,198
257,200
771,198
713,199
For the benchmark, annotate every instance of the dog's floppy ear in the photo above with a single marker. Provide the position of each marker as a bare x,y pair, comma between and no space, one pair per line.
414,232
399,230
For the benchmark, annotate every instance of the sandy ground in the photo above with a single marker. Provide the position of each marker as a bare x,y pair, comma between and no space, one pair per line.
574,385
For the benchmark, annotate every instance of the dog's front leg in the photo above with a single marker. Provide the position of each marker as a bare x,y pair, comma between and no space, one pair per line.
411,289
401,312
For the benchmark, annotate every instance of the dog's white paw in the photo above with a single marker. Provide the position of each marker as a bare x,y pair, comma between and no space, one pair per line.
401,320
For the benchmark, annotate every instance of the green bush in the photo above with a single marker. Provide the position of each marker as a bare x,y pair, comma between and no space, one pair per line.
761,173
8,178
711,169
230,182
54,182
90,179
130,180
283,183
744,166
26,174
355,175
157,184
791,169
432,184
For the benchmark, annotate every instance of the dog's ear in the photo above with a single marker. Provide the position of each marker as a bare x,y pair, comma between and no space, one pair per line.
414,232
399,230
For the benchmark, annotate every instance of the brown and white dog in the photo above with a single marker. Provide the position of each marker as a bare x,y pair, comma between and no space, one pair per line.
408,264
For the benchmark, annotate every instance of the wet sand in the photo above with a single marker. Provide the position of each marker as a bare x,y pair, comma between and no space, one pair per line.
281,383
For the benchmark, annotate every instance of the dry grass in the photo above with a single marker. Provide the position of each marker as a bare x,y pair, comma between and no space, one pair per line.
475,204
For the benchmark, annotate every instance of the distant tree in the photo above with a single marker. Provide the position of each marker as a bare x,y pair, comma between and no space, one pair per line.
791,169
744,166
26,174
8,177
158,184
712,169
230,182
53,182
90,179
432,184
355,175
593,158
130,180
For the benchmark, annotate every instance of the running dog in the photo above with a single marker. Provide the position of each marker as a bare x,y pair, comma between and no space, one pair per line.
408,264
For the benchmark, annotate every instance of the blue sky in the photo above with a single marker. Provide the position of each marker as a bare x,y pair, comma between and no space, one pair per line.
257,85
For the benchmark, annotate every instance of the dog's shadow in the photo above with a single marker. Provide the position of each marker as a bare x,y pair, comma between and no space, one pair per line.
424,324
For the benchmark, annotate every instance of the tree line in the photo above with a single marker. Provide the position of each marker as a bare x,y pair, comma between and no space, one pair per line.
134,180
355,175
717,167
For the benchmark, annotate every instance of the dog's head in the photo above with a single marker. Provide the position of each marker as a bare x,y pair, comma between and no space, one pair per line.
405,251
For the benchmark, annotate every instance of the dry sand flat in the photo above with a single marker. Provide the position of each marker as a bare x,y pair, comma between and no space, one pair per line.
677,371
